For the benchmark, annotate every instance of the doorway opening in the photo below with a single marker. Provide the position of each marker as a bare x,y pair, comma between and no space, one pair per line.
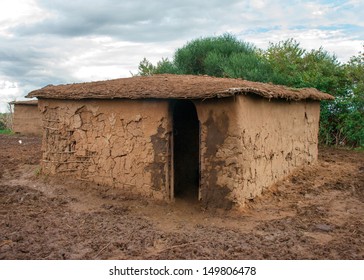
186,165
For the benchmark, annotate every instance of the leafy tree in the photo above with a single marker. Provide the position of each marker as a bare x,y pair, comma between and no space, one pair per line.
248,67
222,56
146,68
285,58
296,67
166,66
352,116
342,119
197,56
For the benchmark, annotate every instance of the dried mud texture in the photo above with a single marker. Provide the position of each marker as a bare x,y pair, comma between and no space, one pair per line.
121,144
18,150
317,213
248,144
276,139
127,144
175,86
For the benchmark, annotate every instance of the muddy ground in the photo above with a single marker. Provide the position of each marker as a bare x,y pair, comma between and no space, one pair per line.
318,213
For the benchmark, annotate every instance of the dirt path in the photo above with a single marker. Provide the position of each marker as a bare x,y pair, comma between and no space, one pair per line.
315,214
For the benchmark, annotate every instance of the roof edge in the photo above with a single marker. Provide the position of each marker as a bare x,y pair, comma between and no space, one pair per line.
24,102
170,86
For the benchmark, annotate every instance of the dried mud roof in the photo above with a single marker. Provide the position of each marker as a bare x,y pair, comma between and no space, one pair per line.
25,102
174,86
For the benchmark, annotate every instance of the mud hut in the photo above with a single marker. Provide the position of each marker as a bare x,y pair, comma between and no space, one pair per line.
27,119
215,140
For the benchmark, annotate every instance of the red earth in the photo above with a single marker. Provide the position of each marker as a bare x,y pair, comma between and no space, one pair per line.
317,213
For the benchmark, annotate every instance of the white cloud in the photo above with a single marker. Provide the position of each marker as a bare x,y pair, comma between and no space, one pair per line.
9,91
19,12
257,4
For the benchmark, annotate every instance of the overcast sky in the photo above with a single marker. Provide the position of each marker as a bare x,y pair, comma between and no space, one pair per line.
56,41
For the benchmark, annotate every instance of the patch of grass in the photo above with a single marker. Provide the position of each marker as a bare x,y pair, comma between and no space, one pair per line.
5,131
37,171
359,149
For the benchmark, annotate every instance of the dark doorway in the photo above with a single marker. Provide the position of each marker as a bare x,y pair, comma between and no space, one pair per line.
186,130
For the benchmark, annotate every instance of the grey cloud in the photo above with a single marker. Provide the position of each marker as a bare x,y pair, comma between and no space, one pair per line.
140,21
31,62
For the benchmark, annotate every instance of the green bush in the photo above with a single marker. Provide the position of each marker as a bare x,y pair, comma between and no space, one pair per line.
249,67
2,125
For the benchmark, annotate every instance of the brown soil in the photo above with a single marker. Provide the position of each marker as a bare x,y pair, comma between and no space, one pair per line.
315,214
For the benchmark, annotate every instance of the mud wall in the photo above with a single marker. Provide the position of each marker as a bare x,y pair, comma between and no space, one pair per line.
27,119
220,153
277,136
248,143
121,143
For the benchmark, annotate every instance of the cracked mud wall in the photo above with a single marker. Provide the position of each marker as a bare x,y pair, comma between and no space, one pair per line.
277,136
249,143
246,144
27,119
121,143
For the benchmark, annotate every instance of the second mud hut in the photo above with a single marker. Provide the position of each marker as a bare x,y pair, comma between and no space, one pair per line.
27,119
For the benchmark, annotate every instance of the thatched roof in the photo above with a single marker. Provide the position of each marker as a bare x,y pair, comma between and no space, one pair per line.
25,102
174,86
